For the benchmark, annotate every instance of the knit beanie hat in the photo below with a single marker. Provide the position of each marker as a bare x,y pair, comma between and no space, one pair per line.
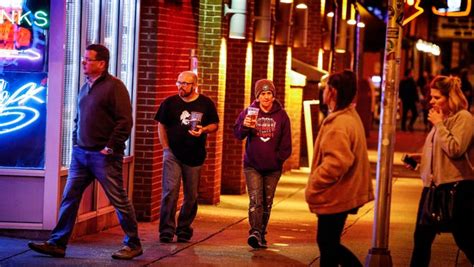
264,85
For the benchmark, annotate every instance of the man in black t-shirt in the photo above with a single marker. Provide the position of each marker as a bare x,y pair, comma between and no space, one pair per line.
184,120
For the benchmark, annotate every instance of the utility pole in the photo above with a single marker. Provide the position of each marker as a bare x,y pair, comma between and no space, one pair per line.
379,254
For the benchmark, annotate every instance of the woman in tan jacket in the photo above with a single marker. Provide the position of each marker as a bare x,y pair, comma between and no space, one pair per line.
339,182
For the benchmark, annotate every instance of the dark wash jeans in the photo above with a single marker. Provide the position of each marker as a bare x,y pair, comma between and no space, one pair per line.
333,253
463,226
261,188
107,169
173,170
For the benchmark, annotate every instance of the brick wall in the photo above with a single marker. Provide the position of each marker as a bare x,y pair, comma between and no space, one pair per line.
209,43
168,30
232,177
309,54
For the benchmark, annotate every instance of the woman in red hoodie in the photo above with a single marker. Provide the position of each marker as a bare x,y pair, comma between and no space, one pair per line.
267,146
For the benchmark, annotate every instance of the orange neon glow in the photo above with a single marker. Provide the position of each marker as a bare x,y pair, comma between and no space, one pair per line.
412,11
455,13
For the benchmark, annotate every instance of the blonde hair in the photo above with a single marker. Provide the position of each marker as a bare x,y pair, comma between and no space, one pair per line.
450,87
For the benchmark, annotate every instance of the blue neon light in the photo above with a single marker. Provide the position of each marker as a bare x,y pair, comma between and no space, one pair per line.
23,106
20,54
13,114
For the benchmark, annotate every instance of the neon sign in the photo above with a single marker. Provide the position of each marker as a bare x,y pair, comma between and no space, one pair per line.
23,106
40,18
412,10
26,54
14,114
23,34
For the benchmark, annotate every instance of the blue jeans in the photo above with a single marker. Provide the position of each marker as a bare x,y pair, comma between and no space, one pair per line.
333,253
261,188
107,169
173,170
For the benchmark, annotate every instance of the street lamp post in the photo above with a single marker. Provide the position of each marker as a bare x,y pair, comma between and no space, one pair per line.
379,254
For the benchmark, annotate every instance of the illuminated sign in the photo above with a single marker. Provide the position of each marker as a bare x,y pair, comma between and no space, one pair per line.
22,119
411,10
39,18
456,8
23,35
14,111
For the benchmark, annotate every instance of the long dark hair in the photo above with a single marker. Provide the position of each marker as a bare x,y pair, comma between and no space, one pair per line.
345,83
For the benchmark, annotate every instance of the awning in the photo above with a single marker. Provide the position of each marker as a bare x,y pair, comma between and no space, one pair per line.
312,73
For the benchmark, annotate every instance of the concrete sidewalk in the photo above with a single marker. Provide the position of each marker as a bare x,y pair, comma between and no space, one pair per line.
221,234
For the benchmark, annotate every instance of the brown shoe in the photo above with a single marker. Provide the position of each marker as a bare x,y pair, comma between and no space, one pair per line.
48,249
127,253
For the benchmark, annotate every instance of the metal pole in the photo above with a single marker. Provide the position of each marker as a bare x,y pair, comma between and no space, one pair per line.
334,26
355,59
379,254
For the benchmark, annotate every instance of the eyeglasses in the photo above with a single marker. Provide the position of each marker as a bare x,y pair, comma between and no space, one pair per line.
85,59
178,83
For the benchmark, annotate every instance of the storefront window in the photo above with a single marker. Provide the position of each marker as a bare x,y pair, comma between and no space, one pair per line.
110,29
111,22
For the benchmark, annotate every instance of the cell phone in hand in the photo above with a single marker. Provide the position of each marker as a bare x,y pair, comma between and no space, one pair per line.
410,161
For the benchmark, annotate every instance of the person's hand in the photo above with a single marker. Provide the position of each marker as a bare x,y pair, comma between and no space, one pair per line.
197,132
416,157
435,116
248,122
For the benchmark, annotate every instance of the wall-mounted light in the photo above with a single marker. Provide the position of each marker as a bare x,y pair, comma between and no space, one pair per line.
327,24
238,11
300,29
283,22
263,21
352,18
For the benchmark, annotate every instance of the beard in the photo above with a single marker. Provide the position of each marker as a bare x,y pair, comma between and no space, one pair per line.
184,93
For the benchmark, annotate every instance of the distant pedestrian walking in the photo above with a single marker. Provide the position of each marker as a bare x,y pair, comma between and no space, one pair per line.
409,98
446,161
339,182
266,127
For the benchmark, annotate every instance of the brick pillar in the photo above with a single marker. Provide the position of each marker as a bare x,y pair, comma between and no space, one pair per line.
309,55
167,34
212,85
233,181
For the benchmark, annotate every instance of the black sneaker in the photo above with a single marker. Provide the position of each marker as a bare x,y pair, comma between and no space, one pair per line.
254,240
263,243
166,238
183,239
47,249
127,253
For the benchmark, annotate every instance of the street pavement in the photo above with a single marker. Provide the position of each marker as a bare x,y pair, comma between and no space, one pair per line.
220,234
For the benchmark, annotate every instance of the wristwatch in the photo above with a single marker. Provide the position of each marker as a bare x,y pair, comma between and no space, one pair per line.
109,150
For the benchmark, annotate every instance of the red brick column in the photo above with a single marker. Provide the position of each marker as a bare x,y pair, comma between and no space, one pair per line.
209,42
233,181
167,34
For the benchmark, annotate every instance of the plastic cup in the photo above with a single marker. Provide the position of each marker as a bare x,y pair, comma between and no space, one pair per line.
195,120
252,113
